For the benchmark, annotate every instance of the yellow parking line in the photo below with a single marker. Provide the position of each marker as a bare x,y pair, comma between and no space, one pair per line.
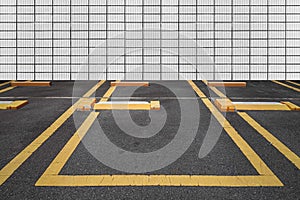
158,180
7,89
109,92
10,87
130,84
214,89
130,105
272,139
285,85
218,92
5,83
227,84
14,105
292,82
18,160
93,89
51,176
68,149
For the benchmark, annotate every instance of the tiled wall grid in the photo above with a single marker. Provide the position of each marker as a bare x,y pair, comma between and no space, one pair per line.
149,39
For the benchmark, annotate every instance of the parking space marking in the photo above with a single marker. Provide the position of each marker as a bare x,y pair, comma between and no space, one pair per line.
288,86
266,177
292,82
272,139
18,160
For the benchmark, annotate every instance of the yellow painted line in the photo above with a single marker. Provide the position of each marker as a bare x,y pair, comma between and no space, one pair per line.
280,106
7,89
272,139
215,90
224,105
291,105
86,104
198,91
205,82
288,86
10,87
226,84
51,176
251,155
68,149
128,84
157,180
292,82
127,105
218,92
93,89
13,105
30,83
18,160
5,83
108,93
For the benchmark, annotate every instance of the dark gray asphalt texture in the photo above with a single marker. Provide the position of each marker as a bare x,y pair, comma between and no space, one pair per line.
19,128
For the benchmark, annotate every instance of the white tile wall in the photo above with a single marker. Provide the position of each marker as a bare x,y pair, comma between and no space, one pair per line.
149,39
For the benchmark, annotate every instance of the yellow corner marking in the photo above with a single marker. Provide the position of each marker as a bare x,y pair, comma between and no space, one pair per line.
291,105
51,176
18,160
86,104
224,105
272,139
292,82
154,105
285,85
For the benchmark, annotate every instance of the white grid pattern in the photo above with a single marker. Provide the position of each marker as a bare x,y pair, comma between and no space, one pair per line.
153,39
